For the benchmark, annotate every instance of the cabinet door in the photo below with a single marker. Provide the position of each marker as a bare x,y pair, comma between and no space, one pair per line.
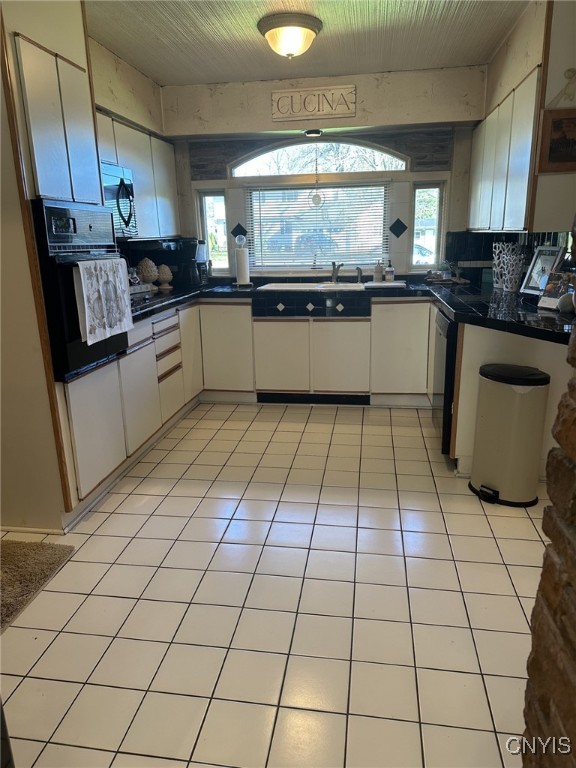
41,91
134,152
80,133
519,163
227,355
399,348
191,352
106,140
140,396
96,425
282,355
171,387
165,184
487,178
501,154
476,175
340,355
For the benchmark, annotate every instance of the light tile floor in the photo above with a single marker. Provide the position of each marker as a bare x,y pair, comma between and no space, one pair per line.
281,586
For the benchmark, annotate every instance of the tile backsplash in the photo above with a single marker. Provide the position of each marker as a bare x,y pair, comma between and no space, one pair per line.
472,251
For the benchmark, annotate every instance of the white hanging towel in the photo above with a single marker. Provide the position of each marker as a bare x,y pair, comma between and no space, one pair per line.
103,298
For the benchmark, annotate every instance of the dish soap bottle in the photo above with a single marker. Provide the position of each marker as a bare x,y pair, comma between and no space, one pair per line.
378,272
389,272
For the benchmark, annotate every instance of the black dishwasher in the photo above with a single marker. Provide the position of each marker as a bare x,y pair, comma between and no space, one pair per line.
444,372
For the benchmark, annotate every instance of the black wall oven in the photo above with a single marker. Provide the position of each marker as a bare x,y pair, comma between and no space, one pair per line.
67,233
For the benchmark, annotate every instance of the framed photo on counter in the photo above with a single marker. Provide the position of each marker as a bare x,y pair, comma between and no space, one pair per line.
555,287
546,258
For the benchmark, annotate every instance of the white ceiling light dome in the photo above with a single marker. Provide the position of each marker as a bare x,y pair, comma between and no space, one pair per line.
289,34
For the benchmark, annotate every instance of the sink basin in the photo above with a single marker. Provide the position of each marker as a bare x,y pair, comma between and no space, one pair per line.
286,287
312,287
339,287
382,284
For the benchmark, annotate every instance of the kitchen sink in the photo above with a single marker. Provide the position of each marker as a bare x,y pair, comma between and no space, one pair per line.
339,287
383,284
312,287
286,287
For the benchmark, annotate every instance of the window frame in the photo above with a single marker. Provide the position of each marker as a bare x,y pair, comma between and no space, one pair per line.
441,233
234,201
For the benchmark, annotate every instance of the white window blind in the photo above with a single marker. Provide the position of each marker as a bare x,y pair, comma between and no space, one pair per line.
292,227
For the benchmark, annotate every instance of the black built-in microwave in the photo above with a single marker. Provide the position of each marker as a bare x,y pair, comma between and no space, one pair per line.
118,188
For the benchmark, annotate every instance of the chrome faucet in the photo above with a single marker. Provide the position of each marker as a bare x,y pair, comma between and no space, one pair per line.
335,270
359,273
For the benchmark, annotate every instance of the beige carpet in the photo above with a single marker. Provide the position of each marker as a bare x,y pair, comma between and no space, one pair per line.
25,567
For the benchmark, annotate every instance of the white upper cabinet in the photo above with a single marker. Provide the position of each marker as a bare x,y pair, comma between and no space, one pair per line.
41,93
153,167
60,122
501,157
106,140
80,134
501,162
135,152
165,183
521,142
476,174
487,177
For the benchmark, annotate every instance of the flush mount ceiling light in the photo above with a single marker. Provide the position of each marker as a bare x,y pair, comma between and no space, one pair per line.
289,34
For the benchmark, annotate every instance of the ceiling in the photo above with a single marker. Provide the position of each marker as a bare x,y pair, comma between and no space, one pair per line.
190,42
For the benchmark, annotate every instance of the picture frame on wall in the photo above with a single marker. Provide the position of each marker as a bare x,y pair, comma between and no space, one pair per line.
557,149
546,258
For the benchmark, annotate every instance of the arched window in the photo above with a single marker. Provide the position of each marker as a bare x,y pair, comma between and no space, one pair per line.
319,157
343,213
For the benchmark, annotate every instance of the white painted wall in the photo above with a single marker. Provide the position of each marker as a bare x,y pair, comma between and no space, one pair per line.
122,90
519,53
31,490
555,206
392,98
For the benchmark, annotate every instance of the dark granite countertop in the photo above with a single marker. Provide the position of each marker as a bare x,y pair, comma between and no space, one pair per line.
463,304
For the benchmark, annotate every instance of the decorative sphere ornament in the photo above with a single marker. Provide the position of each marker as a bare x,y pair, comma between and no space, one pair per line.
240,241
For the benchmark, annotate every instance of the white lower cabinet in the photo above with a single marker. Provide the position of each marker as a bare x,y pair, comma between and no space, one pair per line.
171,386
96,425
340,355
191,342
399,348
282,355
168,348
227,351
140,396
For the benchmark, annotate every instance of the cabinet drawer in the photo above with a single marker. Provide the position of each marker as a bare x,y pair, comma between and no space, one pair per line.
166,362
140,332
167,341
171,393
160,326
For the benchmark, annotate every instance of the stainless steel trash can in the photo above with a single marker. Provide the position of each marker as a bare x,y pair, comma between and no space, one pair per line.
508,439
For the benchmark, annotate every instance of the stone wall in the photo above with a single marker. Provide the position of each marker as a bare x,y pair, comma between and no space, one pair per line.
550,707
429,149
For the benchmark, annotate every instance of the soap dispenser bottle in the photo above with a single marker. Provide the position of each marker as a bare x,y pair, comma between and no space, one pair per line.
378,272
389,272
